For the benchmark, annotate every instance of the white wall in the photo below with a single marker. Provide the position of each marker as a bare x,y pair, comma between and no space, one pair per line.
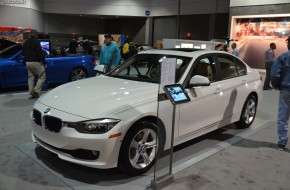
164,27
98,7
126,7
238,3
21,17
65,24
188,7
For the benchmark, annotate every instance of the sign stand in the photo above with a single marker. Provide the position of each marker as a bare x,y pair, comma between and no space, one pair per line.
167,77
176,95
168,178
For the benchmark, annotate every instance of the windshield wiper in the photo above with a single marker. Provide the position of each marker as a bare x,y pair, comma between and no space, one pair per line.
141,79
142,76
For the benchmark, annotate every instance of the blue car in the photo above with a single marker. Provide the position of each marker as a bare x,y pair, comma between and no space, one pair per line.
60,69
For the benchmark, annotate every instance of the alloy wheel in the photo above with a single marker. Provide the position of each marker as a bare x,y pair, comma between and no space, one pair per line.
78,74
143,148
250,111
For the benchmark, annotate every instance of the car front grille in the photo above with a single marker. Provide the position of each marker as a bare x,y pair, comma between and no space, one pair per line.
36,116
52,124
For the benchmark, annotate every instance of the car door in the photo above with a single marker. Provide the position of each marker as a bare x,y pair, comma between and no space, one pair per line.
19,72
204,110
234,81
14,73
58,69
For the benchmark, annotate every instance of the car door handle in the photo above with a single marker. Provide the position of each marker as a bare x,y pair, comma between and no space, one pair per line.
244,81
219,89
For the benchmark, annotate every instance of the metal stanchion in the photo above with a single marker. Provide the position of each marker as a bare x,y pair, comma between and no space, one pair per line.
168,178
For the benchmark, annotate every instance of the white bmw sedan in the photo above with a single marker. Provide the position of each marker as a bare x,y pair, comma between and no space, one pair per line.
112,120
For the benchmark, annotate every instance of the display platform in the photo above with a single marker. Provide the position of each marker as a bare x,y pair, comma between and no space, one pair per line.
185,155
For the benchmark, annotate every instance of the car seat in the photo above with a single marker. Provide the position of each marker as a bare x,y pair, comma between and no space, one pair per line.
204,69
227,71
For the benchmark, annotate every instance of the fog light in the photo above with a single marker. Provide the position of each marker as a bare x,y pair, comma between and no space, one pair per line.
96,153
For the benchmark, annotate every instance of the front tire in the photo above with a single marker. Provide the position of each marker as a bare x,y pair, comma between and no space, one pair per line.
248,113
140,148
78,74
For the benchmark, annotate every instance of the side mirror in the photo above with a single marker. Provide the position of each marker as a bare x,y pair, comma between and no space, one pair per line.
100,69
198,80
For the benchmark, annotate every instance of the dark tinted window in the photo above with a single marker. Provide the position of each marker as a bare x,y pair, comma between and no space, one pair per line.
227,66
205,67
241,67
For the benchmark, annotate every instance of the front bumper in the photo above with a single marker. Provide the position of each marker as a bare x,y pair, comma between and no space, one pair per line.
68,139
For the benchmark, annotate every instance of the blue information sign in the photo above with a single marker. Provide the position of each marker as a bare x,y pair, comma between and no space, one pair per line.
147,13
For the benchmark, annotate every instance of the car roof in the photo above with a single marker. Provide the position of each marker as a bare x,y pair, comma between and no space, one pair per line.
187,52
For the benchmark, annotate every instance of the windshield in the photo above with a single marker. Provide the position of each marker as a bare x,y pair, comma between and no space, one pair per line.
9,52
146,67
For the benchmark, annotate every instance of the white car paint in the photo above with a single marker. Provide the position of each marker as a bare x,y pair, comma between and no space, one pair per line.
211,107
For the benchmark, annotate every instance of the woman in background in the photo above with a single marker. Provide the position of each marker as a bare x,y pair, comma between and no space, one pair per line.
158,44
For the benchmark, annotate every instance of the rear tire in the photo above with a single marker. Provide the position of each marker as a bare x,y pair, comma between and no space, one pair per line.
140,149
78,74
248,113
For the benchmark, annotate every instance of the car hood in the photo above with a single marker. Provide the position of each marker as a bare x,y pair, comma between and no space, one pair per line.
99,96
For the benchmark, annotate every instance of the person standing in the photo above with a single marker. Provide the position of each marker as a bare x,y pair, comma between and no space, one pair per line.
34,59
280,79
132,51
158,44
87,47
235,49
73,46
269,60
110,54
125,50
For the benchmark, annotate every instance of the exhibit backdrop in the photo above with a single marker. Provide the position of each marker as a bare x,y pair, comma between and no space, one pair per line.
15,34
253,35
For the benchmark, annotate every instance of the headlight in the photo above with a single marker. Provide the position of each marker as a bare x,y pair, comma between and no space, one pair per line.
93,126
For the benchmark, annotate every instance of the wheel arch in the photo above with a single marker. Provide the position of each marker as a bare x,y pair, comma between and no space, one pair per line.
254,94
157,121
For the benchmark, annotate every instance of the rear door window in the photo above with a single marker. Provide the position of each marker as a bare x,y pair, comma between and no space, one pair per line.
241,67
228,67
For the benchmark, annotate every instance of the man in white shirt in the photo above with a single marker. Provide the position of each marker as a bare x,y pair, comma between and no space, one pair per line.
235,50
269,60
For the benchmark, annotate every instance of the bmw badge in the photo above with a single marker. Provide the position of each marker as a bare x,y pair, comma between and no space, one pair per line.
46,110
